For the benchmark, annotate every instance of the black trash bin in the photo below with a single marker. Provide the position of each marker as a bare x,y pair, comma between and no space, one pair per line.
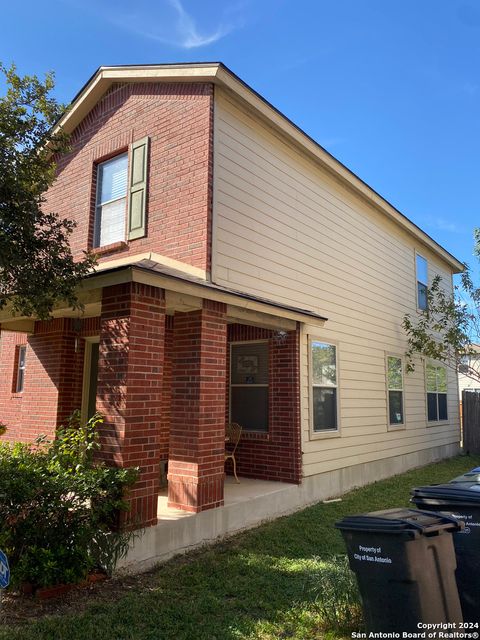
405,564
462,501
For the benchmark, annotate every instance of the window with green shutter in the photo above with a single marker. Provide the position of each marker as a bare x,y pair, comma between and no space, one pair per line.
121,198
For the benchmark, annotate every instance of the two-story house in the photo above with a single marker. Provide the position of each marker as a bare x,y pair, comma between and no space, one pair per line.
244,275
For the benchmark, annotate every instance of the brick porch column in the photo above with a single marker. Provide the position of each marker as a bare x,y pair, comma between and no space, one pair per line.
129,392
197,431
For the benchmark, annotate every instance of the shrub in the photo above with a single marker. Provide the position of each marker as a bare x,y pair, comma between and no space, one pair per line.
57,507
336,595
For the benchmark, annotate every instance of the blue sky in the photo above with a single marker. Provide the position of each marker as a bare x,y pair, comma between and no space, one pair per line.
392,89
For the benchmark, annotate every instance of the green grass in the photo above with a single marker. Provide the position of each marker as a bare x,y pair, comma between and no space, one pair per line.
253,586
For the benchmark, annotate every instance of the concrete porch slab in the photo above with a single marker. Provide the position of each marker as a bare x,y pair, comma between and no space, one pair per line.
246,504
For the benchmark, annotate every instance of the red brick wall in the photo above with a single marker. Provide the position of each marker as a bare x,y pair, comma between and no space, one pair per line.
197,431
53,380
130,378
178,120
275,455
53,377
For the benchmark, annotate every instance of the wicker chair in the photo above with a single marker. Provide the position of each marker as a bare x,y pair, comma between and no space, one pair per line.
233,431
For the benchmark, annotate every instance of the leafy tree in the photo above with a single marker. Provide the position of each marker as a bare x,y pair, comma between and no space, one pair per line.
450,326
37,268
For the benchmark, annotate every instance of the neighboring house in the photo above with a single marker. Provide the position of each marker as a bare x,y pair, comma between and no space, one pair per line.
245,275
469,372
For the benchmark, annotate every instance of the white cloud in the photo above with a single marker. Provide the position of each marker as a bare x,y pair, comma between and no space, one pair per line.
176,27
441,224
167,21
188,31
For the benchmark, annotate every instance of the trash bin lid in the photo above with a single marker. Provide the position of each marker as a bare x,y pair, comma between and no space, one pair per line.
457,494
398,521
470,476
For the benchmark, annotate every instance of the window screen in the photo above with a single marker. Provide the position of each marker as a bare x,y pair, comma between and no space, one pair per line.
249,380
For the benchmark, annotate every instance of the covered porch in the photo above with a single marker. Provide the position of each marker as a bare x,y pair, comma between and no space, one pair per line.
168,360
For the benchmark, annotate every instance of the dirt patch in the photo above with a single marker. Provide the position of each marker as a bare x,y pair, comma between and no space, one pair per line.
19,609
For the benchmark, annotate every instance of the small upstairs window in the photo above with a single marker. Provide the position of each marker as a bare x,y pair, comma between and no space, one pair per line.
121,198
111,203
422,282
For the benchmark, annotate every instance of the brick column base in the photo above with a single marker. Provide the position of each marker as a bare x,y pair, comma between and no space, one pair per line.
193,493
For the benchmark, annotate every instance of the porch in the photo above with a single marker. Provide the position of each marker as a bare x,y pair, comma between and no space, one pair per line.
177,531
168,361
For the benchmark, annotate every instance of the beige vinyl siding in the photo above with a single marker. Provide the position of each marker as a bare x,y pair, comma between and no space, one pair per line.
287,230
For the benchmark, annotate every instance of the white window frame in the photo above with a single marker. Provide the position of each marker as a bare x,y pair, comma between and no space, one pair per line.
437,366
327,433
417,280
246,429
21,369
99,205
400,425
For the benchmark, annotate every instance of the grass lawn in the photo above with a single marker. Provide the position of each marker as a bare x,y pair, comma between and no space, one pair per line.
251,586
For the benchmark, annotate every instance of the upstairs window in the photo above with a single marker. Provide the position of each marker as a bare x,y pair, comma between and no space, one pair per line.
395,390
111,205
121,198
324,386
249,384
21,360
436,393
422,282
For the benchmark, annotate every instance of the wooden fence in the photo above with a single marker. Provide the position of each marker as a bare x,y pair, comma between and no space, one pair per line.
471,421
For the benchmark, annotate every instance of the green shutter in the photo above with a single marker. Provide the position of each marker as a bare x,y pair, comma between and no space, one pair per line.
137,198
